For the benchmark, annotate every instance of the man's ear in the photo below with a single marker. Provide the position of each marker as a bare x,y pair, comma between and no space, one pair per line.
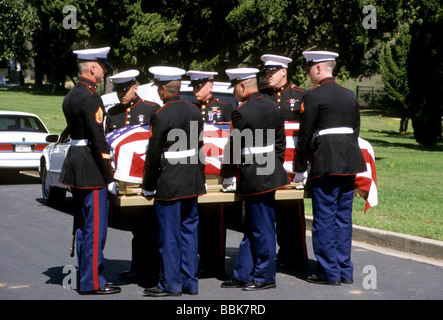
93,68
284,71
161,89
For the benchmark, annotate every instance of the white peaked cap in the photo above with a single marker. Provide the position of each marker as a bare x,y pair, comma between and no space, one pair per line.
166,73
92,54
200,75
275,60
313,57
241,73
125,76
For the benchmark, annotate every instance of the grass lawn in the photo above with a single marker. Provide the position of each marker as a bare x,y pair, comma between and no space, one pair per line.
410,181
410,176
47,106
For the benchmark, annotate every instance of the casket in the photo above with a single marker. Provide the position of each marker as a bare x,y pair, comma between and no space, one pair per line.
128,147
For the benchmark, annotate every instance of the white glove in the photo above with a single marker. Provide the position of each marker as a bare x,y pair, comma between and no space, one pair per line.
301,177
147,193
229,184
113,188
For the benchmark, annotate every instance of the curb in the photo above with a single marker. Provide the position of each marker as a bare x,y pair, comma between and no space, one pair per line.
393,240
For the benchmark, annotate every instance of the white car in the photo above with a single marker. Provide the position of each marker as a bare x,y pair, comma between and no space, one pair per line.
54,155
22,141
51,163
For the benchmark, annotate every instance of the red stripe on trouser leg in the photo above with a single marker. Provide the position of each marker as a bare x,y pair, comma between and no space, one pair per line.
96,234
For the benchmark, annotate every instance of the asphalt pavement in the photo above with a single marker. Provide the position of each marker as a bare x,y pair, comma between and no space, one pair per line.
35,265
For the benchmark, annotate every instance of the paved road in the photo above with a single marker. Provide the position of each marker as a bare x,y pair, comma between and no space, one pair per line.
34,250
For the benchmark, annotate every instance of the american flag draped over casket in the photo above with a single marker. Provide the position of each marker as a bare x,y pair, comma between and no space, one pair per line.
366,182
128,152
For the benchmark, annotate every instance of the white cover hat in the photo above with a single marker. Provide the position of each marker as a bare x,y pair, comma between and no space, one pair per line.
201,75
238,74
313,57
92,54
272,60
125,76
166,73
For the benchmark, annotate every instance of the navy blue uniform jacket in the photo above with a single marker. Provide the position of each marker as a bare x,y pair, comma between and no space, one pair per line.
86,166
137,111
214,110
288,99
171,179
329,105
256,114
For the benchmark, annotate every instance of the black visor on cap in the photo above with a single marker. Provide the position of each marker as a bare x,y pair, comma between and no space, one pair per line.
272,68
123,86
109,68
234,82
198,83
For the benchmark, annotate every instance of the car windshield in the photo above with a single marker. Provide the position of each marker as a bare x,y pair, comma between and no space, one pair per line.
21,123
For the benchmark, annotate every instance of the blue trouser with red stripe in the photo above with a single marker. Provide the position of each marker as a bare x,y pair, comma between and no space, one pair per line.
332,198
178,244
91,230
256,254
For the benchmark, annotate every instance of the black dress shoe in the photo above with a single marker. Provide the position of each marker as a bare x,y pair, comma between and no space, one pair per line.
157,292
108,288
347,281
255,286
318,280
233,283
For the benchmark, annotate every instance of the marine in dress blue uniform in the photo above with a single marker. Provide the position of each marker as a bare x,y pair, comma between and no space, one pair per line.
175,175
211,215
87,169
329,130
211,109
259,119
287,96
132,110
289,214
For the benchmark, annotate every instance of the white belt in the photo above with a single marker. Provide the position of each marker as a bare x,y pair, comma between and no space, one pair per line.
79,143
256,150
338,130
179,154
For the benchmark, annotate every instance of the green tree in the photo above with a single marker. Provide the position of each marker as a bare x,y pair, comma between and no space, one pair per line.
411,68
52,44
19,20
393,70
209,34
425,73
98,24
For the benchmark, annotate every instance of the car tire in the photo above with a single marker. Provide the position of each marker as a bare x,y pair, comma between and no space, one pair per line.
51,195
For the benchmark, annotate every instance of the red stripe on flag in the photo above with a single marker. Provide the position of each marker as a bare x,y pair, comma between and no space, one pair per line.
131,138
137,165
289,154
